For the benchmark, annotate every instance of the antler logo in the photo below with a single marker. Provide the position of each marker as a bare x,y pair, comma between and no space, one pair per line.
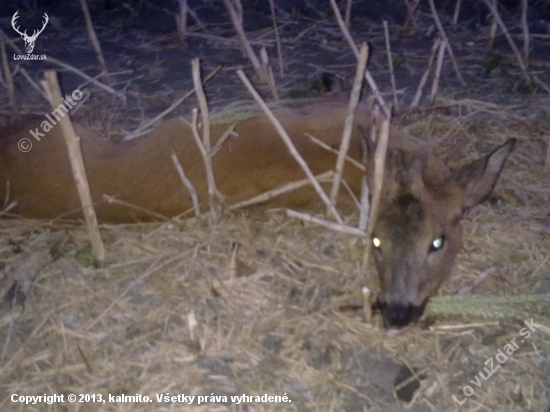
29,40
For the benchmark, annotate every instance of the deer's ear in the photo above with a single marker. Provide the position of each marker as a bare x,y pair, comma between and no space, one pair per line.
478,178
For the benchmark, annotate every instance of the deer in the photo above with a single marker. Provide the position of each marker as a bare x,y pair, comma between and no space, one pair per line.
416,235
29,40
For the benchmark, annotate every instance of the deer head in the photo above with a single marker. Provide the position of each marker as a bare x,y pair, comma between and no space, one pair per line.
29,40
417,234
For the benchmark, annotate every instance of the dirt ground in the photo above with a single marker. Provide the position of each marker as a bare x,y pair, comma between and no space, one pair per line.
172,314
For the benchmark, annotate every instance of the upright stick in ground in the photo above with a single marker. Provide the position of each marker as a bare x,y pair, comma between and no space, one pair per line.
288,141
238,24
379,165
51,87
390,65
348,125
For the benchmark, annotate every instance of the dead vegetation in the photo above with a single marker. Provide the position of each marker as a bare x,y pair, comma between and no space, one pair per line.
265,304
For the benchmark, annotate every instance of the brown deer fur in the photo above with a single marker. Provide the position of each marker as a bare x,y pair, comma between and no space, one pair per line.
421,199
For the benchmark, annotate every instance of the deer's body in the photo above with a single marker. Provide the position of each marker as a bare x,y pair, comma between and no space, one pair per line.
141,171
421,202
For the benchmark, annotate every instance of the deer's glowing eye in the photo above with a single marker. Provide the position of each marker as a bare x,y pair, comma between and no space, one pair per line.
437,244
376,242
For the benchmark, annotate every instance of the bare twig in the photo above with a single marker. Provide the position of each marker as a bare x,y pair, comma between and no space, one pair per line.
51,87
290,145
181,20
511,42
33,84
94,40
525,27
333,150
7,204
203,105
541,84
213,191
225,135
276,29
379,165
267,68
437,75
411,10
492,31
233,258
390,65
466,289
330,225
197,20
237,24
364,206
424,78
344,28
114,200
376,92
185,180
348,125
457,11
355,50
444,37
264,197
348,12
9,78
144,128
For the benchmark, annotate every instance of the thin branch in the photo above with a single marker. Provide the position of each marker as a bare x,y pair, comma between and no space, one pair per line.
348,125
344,28
277,39
444,37
51,86
237,24
94,40
379,165
185,180
390,65
511,42
437,75
333,150
213,191
264,197
144,128
9,78
203,105
525,28
424,78
330,225
290,146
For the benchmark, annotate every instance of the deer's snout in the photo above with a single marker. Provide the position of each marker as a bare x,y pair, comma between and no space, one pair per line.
396,314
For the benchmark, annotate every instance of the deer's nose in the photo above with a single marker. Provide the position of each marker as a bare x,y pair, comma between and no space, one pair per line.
397,314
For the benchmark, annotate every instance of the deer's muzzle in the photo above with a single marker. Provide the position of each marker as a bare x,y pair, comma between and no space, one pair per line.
398,314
